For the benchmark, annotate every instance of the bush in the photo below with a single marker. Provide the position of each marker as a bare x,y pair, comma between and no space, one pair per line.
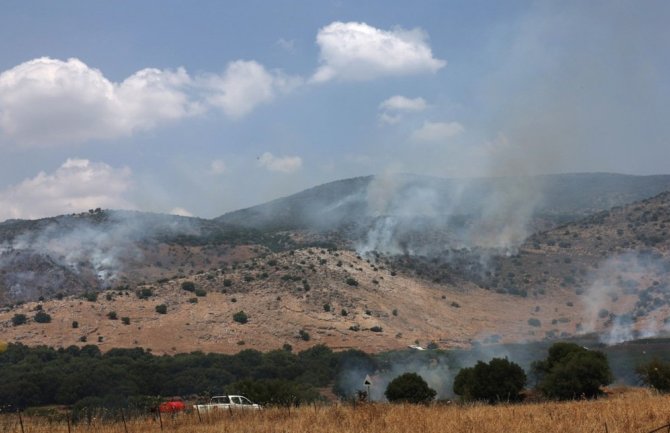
498,381
189,286
326,308
572,371
304,335
75,324
352,281
227,282
241,317
161,309
655,374
376,328
90,296
200,293
42,317
19,319
125,320
144,293
534,322
409,388
112,315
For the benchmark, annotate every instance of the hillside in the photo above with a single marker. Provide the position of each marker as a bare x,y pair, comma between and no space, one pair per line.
605,273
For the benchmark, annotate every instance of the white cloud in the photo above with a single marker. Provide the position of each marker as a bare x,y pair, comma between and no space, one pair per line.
394,107
437,131
245,85
286,44
180,211
217,166
47,101
283,164
402,103
357,51
76,186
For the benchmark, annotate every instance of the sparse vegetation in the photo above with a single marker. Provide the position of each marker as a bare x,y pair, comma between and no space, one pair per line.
241,317
161,309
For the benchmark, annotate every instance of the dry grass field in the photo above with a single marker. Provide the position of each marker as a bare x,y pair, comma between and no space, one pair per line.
633,411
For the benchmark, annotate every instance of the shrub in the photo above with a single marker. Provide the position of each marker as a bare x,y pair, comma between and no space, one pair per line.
19,319
534,322
344,312
112,315
572,371
189,286
498,381
144,293
42,317
200,293
394,312
352,281
655,374
75,324
409,388
326,308
304,335
125,320
241,317
376,328
161,309
227,282
90,296
193,300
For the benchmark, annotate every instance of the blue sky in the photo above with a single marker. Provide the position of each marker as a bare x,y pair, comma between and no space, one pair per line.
205,107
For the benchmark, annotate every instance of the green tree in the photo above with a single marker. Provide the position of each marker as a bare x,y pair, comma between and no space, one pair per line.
42,317
500,380
409,388
572,371
655,374
241,317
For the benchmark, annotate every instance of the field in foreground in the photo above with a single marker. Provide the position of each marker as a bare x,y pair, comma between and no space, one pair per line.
634,411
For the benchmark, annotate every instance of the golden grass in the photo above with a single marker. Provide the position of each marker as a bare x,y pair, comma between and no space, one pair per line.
636,411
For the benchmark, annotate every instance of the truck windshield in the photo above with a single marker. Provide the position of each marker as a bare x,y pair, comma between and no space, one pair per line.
245,400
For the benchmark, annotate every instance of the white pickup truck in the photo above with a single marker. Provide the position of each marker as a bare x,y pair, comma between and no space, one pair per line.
227,402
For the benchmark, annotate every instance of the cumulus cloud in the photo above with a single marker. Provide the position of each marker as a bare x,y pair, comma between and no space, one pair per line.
48,101
245,85
358,51
283,164
437,131
403,103
392,109
76,186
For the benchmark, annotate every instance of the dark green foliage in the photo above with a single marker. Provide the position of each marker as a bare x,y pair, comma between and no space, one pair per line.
42,317
304,335
161,309
352,281
409,388
125,320
326,308
112,315
200,293
655,374
534,322
75,324
376,328
241,317
84,377
572,371
144,293
189,286
227,282
19,319
90,296
497,381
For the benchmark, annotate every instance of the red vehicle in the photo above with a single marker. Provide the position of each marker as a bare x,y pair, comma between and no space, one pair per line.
175,404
